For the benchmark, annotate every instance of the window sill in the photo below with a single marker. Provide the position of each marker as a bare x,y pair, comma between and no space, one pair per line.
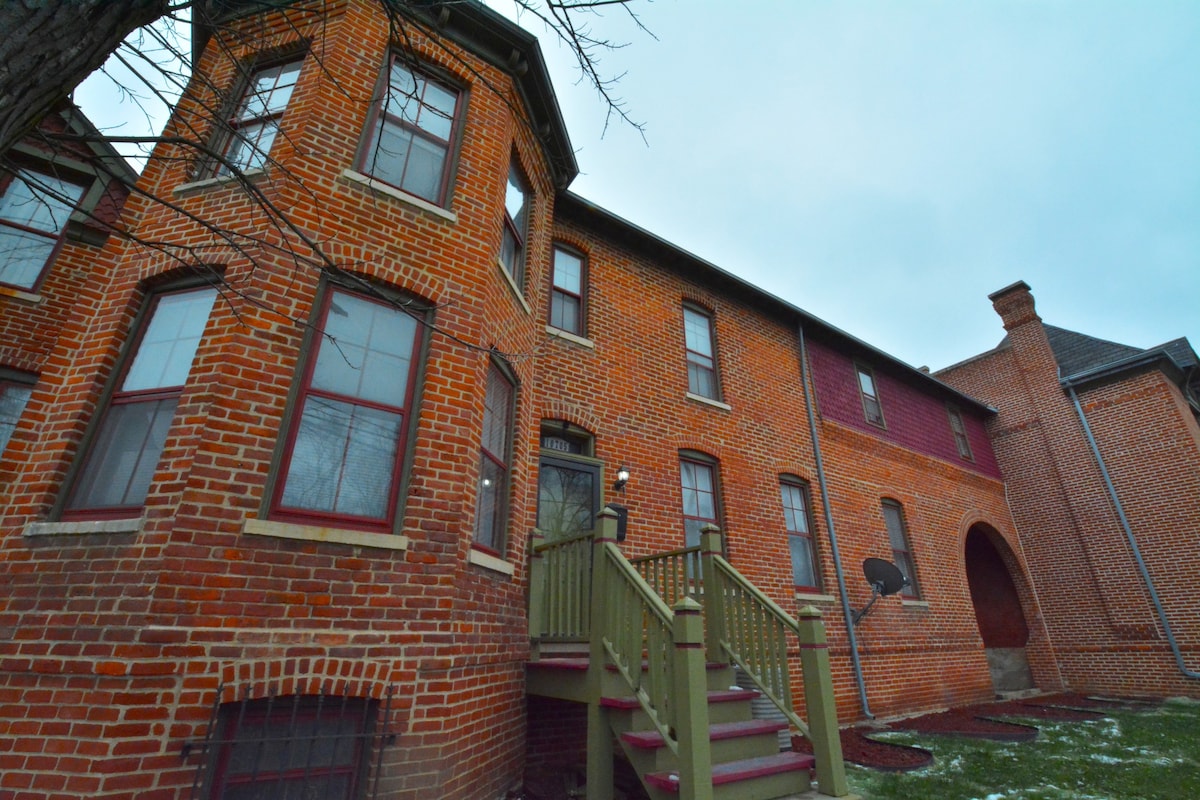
21,294
488,561
914,603
219,180
317,533
512,285
708,401
84,527
570,337
807,597
398,194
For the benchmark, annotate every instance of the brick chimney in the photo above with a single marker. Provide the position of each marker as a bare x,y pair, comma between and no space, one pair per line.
1014,304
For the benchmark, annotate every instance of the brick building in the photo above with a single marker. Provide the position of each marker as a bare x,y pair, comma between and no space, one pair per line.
1100,448
279,473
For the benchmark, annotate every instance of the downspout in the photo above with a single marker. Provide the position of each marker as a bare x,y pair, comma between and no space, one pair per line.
847,612
1137,553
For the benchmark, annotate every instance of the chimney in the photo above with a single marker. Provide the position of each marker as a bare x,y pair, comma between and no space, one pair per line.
1014,304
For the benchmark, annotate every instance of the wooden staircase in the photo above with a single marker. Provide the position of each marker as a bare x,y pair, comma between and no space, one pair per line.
746,761
660,681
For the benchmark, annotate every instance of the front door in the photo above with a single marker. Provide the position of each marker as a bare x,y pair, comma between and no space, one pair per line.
568,496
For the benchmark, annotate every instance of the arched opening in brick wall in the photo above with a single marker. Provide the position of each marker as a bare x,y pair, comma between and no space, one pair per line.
998,610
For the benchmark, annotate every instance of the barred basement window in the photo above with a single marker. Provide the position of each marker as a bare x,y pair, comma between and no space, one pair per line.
293,747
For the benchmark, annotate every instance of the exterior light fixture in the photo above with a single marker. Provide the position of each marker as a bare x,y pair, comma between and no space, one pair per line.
622,479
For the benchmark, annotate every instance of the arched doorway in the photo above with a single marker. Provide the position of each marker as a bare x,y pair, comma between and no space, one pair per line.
997,610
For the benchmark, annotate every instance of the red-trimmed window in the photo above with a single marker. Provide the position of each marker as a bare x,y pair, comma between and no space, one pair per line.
698,482
516,221
491,504
893,517
567,309
701,361
794,495
255,121
959,428
872,409
346,442
410,140
126,448
34,209
15,389
294,747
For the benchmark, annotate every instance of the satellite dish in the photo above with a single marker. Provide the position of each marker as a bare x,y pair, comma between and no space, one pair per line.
885,579
884,576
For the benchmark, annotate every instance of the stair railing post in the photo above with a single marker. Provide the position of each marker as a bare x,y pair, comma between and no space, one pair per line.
714,598
599,734
821,706
690,694
537,593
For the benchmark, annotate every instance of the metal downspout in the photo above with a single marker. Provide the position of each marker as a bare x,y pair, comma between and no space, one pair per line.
847,612
1137,553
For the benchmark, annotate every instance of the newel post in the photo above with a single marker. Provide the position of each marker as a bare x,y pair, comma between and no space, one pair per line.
599,735
537,591
819,701
690,693
714,598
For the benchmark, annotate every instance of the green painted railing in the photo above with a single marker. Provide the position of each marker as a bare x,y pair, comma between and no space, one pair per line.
673,575
636,633
560,587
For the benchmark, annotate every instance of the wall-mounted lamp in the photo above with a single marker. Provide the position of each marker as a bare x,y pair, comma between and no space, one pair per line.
622,479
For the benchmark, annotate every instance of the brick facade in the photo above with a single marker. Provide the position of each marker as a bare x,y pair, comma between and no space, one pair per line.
120,631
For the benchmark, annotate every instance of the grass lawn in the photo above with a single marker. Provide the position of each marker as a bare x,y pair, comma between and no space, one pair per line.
1149,755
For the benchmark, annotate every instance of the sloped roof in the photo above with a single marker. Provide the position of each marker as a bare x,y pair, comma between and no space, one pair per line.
1078,352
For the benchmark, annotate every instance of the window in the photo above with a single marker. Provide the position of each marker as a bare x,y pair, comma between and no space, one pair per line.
14,394
567,294
294,747
959,429
870,397
491,506
410,140
701,365
346,441
893,517
255,121
568,482
34,209
794,494
699,485
516,214
128,443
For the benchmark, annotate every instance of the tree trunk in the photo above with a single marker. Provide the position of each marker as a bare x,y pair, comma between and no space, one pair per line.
47,47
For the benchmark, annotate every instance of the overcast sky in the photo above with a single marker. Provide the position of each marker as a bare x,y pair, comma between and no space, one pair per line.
886,164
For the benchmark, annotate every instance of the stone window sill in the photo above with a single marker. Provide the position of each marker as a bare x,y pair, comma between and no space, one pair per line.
398,194
807,597
708,401
488,561
84,527
218,180
558,333
317,533
914,603
20,294
512,285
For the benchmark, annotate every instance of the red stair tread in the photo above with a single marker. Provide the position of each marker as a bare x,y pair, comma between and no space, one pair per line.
734,771
559,663
722,696
649,740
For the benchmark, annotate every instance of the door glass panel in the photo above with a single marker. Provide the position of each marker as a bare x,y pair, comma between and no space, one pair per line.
568,497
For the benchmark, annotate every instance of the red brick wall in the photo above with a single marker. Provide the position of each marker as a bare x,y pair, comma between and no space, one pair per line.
1098,611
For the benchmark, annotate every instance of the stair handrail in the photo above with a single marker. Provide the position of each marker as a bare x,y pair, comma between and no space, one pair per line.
637,623
560,579
752,630
674,574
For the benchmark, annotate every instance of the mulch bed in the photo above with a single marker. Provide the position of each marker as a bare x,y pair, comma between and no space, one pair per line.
966,722
1036,710
1097,704
859,748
